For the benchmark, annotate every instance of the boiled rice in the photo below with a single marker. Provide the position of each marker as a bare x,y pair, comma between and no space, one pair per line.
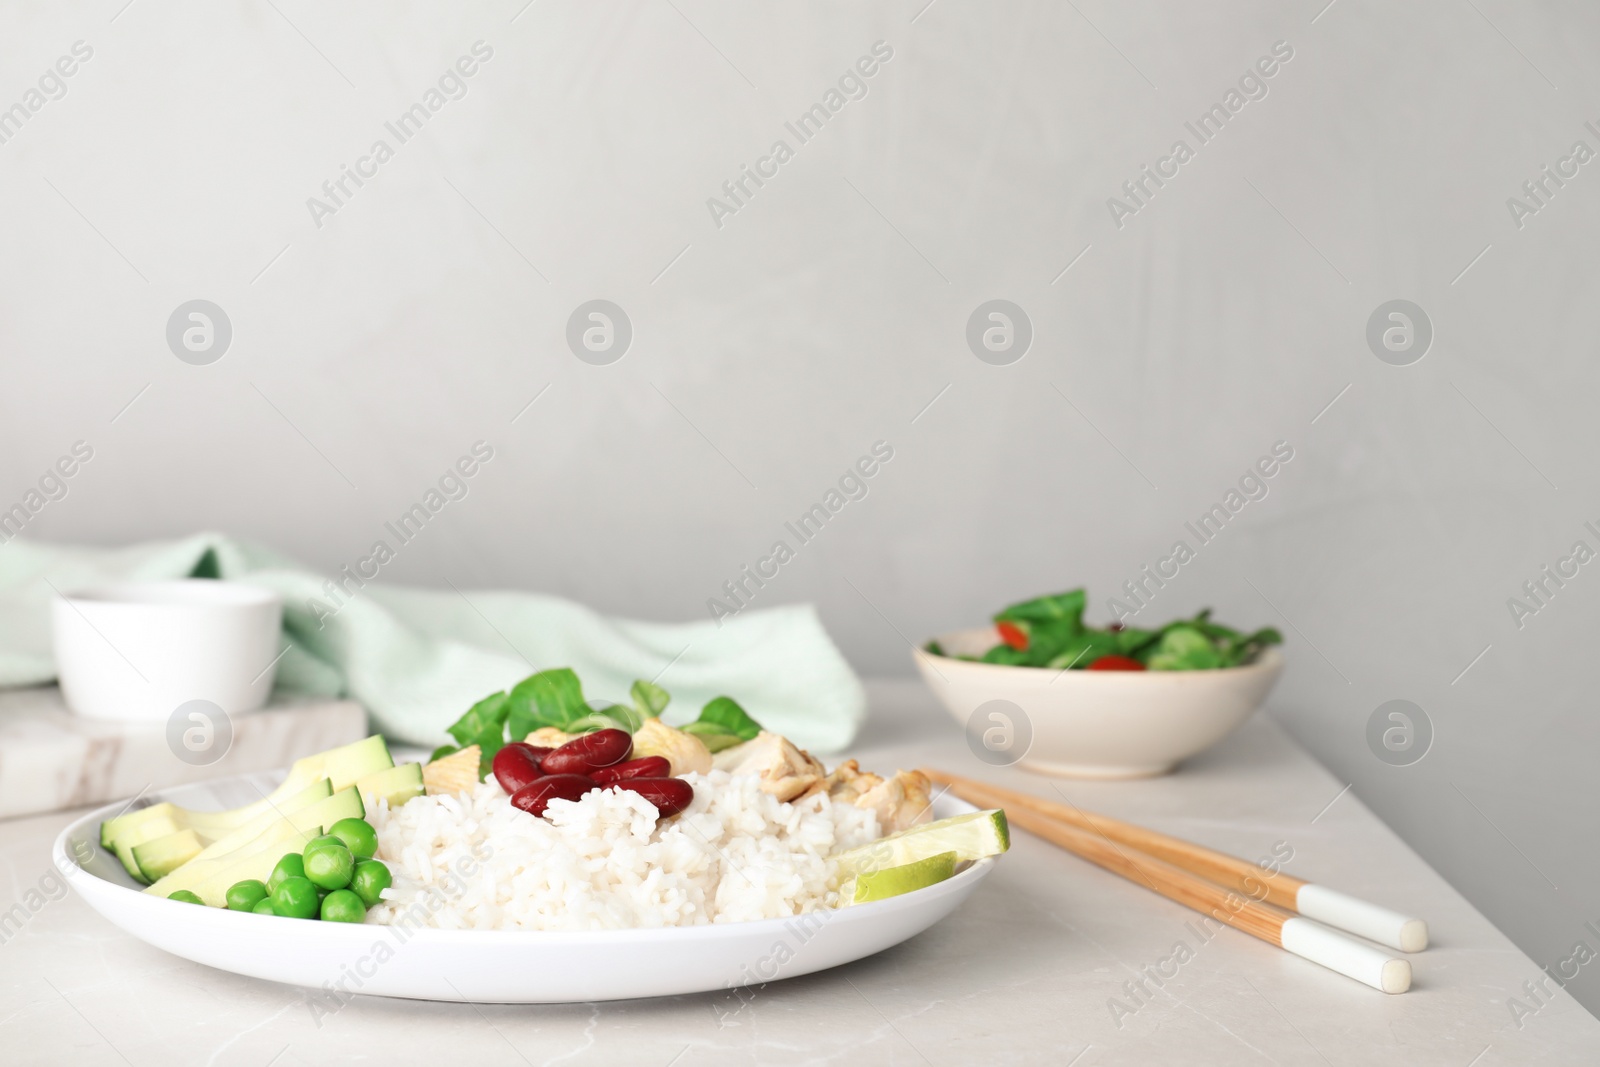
471,861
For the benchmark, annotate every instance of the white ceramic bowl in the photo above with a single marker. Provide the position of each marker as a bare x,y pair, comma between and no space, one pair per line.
489,966
136,651
1091,724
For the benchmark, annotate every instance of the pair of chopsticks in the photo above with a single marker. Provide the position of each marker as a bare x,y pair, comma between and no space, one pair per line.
1289,912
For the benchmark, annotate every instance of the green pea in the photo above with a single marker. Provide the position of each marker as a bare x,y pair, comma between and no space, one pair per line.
291,866
343,906
325,841
358,836
295,898
264,907
185,896
330,866
245,895
369,881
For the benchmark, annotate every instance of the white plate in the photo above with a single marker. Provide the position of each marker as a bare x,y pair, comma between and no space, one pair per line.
501,967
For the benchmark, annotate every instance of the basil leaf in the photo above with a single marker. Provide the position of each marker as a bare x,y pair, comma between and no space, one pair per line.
549,698
649,699
442,751
726,713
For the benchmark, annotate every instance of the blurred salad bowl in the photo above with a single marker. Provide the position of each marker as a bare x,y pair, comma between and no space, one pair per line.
1044,691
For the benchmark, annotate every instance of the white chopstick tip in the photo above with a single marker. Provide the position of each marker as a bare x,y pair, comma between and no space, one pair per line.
1344,912
1351,958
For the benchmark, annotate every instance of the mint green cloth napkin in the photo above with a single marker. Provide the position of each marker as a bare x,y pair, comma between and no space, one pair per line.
418,658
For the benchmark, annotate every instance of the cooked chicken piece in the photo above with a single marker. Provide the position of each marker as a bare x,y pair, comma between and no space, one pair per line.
785,771
549,737
901,802
847,782
790,773
455,773
685,752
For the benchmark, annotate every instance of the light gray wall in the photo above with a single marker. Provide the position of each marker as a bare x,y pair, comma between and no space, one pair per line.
1222,317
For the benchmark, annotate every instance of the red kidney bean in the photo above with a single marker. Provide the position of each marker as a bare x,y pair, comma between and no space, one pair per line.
643,767
534,798
669,795
603,748
517,766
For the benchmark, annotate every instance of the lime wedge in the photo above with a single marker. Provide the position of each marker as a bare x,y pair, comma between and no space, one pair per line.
971,837
892,881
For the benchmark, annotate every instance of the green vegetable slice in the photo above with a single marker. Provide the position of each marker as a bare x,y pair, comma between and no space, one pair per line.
906,878
971,837
1184,648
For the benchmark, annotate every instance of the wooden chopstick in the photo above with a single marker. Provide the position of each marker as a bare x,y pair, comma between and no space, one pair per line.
1309,899
1274,925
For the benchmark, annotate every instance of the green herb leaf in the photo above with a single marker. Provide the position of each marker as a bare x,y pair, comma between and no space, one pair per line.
487,716
1061,608
611,717
1184,648
726,713
483,725
1131,641
1084,649
1244,649
1058,639
1005,654
649,699
712,735
442,751
549,698
1214,630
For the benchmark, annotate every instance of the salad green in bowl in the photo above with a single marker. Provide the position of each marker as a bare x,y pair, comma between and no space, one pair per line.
1049,632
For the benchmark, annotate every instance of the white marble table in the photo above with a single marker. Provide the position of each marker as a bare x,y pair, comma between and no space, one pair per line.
1024,974
51,759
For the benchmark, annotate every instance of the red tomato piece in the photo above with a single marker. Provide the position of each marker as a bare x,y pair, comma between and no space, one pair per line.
1013,635
1116,663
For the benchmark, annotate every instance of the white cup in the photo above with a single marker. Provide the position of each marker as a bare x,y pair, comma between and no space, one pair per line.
136,651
